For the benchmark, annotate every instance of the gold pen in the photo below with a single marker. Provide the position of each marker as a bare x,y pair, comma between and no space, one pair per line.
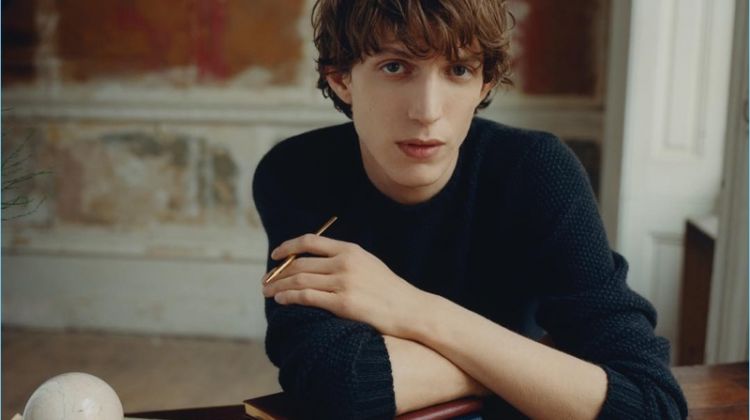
275,271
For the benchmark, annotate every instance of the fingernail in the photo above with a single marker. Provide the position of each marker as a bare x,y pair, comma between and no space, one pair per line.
273,253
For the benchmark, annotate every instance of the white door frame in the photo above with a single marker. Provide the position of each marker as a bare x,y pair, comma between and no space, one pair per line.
727,335
614,118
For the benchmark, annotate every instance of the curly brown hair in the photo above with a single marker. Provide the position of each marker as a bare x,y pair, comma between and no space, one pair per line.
347,30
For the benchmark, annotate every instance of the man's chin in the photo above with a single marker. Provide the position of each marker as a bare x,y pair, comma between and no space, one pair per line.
418,183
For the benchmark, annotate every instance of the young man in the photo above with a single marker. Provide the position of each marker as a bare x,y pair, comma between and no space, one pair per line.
459,241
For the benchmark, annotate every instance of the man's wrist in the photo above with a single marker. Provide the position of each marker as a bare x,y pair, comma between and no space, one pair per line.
430,320
424,317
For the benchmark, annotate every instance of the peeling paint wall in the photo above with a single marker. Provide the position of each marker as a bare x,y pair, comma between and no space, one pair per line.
557,45
214,40
125,177
151,116
115,176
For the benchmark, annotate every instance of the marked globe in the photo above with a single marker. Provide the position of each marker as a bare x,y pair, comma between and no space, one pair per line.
74,396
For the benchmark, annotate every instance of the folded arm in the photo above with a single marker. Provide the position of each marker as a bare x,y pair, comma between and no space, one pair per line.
538,380
422,377
333,367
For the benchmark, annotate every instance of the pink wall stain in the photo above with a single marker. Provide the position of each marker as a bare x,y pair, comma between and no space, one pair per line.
209,54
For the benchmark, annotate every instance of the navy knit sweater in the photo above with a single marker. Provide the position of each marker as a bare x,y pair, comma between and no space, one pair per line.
515,236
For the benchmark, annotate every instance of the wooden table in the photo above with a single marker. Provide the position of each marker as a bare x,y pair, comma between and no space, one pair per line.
713,392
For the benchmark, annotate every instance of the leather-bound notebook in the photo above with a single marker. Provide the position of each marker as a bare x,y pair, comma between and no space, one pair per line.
278,407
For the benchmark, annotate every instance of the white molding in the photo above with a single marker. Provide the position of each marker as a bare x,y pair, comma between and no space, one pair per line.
113,103
727,335
665,255
228,245
567,121
684,65
614,119
679,123
656,240
663,240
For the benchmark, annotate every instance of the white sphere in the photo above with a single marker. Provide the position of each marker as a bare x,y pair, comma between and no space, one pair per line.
74,396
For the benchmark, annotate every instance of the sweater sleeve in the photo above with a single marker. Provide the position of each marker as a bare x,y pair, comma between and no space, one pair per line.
331,367
586,305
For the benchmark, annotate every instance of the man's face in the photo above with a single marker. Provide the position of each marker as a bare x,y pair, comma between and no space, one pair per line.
411,116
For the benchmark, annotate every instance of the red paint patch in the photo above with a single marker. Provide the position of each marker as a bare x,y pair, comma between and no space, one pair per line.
221,38
210,58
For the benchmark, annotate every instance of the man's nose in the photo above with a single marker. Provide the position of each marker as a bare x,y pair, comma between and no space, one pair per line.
426,100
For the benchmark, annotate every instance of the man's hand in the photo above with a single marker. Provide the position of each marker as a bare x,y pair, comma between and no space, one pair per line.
345,280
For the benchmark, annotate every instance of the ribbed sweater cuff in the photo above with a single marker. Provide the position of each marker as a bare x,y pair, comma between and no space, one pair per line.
624,400
375,396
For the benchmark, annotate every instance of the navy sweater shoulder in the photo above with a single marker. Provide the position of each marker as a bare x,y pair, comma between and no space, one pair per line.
519,200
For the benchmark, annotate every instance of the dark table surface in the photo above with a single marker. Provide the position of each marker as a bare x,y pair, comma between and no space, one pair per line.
712,392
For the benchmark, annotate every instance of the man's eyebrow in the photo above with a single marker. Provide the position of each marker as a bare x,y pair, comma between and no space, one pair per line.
466,57
469,56
395,51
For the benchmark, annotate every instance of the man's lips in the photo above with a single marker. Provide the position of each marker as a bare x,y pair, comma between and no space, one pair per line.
420,149
424,143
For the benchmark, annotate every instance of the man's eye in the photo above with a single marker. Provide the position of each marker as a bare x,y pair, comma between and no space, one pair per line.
460,70
393,68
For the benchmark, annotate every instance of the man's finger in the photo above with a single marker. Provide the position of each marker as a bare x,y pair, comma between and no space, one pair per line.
311,244
301,281
307,297
317,265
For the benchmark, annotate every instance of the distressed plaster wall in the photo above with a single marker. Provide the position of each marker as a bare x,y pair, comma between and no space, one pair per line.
151,118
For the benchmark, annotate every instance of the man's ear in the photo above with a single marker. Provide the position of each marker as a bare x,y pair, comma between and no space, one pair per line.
486,88
341,85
